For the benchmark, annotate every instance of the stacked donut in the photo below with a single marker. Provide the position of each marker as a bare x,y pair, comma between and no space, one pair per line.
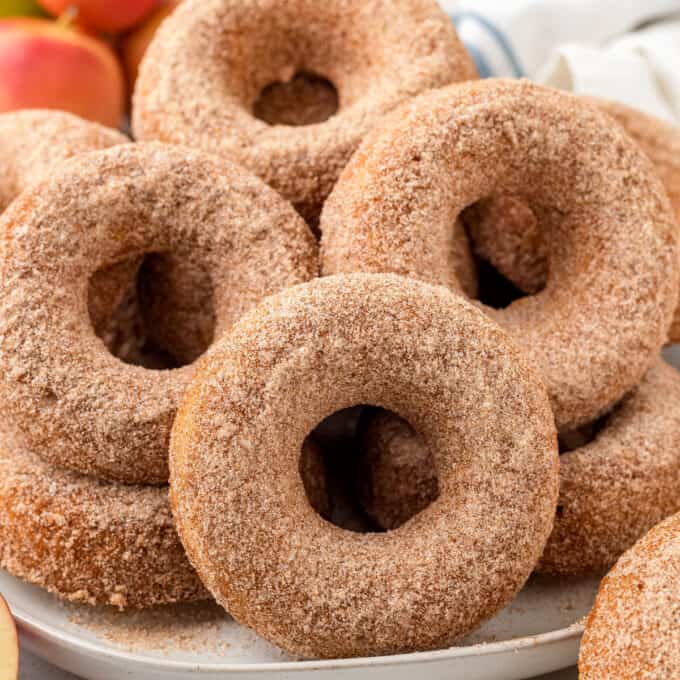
162,320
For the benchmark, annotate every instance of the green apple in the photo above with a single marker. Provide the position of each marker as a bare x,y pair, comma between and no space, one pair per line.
20,8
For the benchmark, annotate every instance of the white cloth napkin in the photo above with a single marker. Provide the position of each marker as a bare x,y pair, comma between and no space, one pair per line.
621,49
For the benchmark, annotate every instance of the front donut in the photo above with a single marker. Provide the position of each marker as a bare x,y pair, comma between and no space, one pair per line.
238,499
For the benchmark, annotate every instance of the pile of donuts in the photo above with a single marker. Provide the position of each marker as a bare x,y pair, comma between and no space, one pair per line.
178,315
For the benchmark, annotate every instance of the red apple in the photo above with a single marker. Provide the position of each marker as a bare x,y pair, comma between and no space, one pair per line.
49,65
134,44
104,15
9,644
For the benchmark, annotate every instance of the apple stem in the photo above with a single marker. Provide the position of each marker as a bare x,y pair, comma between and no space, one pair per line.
68,16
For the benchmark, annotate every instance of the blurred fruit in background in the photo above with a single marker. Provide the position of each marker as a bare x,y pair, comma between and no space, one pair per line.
54,65
134,44
9,644
72,62
18,8
104,15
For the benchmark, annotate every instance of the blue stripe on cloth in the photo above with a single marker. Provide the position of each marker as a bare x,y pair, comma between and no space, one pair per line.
485,71
498,35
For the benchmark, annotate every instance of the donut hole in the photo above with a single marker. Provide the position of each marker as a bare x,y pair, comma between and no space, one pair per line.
345,477
164,320
177,305
494,289
570,440
306,99
507,239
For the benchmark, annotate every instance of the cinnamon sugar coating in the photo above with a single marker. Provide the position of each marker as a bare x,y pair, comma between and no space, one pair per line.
64,396
32,144
600,321
90,541
305,584
209,62
614,486
633,631
506,233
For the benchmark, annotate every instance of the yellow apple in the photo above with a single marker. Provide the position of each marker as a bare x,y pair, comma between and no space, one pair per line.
20,8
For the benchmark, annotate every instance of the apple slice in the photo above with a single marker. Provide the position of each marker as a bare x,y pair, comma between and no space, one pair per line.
9,644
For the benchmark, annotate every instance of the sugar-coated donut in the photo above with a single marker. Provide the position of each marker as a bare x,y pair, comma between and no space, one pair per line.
209,62
505,232
64,396
633,631
305,584
608,302
90,541
32,143
618,486
617,483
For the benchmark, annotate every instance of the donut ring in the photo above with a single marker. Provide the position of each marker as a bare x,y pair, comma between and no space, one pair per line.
90,541
32,143
63,395
505,232
207,65
600,321
633,630
304,584
612,489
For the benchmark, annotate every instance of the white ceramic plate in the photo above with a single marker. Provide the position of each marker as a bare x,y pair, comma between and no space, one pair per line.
538,633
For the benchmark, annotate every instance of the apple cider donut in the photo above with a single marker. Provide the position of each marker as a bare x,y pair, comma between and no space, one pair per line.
32,143
600,321
64,396
615,484
633,631
505,232
304,584
202,76
90,541
616,487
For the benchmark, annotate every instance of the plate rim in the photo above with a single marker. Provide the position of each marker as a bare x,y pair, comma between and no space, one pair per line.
28,623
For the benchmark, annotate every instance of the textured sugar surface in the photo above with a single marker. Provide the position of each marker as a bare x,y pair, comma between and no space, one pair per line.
90,541
507,234
634,628
612,490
